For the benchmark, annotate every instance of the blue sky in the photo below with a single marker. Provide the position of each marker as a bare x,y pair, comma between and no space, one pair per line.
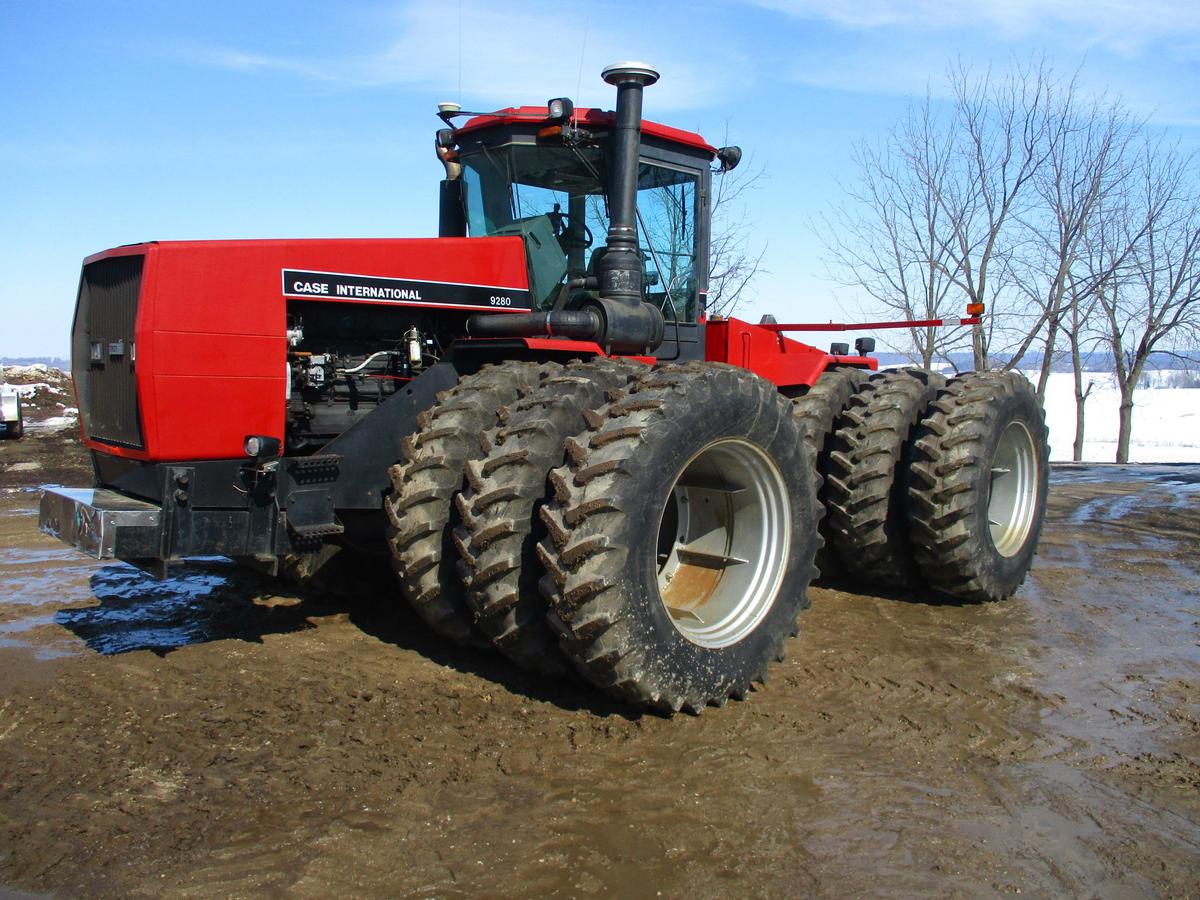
131,121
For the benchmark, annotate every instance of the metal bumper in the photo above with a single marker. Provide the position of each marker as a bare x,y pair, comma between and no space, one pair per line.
103,524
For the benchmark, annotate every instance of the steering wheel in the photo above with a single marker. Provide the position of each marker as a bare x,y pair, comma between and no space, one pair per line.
566,233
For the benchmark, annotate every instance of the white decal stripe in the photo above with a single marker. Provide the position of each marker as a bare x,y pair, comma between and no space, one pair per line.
493,287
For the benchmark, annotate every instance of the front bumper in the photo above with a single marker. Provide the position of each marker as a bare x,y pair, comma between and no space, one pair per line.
103,524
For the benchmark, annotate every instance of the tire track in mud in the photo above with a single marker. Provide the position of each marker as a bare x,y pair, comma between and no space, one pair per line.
318,747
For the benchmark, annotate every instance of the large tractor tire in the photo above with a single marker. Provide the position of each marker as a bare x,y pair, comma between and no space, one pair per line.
865,482
681,537
817,411
420,506
977,486
500,529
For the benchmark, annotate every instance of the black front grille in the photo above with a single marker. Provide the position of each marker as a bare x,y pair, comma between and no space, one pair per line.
103,353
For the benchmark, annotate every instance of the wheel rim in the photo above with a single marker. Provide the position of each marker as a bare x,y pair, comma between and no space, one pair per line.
723,542
1012,498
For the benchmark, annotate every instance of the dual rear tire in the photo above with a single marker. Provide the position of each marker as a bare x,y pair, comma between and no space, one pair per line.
939,484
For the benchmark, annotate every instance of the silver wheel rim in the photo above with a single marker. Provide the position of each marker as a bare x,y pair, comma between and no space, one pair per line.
1012,496
723,540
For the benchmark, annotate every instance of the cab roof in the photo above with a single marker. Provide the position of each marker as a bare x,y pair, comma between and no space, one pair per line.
590,118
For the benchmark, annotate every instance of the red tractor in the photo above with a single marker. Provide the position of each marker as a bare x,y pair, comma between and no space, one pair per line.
534,418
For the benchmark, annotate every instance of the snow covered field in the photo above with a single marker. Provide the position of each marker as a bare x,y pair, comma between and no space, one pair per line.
1166,421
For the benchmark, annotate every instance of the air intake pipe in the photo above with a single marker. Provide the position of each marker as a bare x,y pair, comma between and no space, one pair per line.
623,323
577,324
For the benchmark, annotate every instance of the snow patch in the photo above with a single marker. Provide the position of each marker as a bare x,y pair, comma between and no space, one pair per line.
1166,420
28,390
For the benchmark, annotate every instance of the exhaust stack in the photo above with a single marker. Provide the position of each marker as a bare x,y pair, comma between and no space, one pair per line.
618,320
620,270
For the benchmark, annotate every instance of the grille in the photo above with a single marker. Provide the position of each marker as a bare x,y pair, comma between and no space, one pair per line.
103,351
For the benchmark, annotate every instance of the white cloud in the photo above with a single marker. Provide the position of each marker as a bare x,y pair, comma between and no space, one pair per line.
1123,26
237,60
503,56
1145,52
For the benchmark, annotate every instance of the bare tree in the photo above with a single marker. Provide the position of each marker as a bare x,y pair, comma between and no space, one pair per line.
1087,160
1152,301
735,256
1003,137
892,239
1052,210
1076,327
937,219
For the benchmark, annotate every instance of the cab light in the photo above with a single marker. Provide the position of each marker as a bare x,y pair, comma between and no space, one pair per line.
559,109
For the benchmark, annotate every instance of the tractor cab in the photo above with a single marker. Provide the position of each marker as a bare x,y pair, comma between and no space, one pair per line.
545,174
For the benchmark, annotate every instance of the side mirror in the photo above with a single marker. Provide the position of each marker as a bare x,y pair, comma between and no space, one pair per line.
729,157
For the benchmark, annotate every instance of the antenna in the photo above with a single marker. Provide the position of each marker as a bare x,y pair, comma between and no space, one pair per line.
460,51
579,81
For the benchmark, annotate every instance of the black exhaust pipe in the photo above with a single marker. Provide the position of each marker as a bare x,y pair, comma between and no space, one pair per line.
620,270
624,324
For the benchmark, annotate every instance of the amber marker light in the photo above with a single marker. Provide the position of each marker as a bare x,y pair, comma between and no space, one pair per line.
974,309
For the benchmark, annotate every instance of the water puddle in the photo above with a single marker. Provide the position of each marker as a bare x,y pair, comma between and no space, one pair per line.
57,603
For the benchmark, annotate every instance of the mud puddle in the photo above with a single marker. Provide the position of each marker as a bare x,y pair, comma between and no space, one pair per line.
214,734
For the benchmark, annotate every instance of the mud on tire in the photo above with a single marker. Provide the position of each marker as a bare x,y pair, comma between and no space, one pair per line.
711,436
977,485
497,540
864,486
817,411
420,506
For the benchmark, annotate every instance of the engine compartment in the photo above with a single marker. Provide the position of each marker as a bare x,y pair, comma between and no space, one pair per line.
344,360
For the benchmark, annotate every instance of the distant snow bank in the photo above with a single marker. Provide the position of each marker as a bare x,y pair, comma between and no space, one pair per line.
37,371
1166,421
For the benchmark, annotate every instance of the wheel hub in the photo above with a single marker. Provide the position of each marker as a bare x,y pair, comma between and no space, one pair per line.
1012,497
723,543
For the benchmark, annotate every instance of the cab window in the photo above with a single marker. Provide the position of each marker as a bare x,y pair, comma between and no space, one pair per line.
667,232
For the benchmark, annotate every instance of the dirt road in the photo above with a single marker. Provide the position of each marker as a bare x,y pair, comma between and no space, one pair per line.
209,736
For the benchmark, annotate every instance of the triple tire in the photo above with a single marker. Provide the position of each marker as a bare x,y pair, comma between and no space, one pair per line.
655,530
527,512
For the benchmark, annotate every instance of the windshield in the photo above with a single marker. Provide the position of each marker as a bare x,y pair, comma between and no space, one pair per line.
553,197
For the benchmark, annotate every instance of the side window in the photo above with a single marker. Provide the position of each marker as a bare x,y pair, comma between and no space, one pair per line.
667,232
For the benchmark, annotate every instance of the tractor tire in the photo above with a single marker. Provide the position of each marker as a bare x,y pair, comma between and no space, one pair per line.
500,529
864,486
817,411
420,507
977,486
681,537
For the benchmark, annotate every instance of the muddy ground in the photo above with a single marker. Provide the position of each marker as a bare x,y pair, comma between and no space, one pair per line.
215,735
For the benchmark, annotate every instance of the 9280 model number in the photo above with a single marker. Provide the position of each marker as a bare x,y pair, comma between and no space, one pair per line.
497,300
